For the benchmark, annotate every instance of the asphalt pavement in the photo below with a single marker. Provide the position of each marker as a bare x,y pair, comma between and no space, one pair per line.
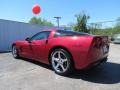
18,74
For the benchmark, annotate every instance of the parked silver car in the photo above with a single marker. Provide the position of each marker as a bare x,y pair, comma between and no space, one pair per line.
116,38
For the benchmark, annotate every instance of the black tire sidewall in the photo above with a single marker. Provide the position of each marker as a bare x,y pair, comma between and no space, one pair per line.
17,56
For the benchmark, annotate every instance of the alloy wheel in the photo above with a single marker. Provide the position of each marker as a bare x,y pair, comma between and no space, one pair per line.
14,52
60,61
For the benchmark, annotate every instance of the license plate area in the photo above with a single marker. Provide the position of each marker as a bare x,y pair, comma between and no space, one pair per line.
105,49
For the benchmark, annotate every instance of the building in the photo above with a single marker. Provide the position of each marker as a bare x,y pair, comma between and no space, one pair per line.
11,31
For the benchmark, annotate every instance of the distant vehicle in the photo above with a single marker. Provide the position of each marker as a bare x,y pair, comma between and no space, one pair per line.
116,38
63,50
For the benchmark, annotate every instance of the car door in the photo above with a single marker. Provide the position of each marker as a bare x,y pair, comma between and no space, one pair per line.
39,45
26,50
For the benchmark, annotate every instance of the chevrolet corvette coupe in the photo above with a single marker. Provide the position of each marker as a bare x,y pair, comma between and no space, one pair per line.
64,50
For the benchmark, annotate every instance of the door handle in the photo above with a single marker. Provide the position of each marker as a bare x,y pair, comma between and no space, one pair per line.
46,41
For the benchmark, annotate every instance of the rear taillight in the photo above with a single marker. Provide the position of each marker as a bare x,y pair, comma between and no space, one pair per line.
97,42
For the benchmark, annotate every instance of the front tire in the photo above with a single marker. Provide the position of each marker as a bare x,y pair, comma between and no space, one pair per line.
15,52
61,62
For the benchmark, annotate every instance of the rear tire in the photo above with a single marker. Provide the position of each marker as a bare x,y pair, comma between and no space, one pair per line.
15,52
105,59
61,62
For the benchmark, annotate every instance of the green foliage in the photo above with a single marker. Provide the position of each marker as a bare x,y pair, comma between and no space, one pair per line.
94,28
106,31
118,22
81,25
40,21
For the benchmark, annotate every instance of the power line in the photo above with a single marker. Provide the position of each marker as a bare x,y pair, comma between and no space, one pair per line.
104,22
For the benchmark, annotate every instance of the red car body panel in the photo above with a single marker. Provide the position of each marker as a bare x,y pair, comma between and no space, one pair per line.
81,49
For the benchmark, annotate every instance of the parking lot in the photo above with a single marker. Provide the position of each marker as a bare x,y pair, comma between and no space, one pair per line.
28,75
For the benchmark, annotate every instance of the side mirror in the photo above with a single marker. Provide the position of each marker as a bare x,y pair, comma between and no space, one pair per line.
27,39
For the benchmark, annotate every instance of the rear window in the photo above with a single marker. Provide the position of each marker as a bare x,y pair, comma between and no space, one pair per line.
60,33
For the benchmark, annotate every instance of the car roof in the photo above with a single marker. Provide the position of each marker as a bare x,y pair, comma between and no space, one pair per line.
57,29
51,29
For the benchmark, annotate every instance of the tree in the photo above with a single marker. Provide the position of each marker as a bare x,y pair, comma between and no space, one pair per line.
109,30
40,21
118,22
81,24
71,26
33,20
116,27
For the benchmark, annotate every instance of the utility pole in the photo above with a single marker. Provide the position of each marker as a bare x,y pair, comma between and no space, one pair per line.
92,28
58,18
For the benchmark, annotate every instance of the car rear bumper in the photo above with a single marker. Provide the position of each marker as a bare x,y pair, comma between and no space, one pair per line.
97,62
88,64
93,57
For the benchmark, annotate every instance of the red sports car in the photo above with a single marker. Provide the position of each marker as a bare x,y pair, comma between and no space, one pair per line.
63,49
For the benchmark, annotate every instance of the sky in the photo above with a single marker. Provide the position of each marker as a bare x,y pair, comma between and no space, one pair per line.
98,10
